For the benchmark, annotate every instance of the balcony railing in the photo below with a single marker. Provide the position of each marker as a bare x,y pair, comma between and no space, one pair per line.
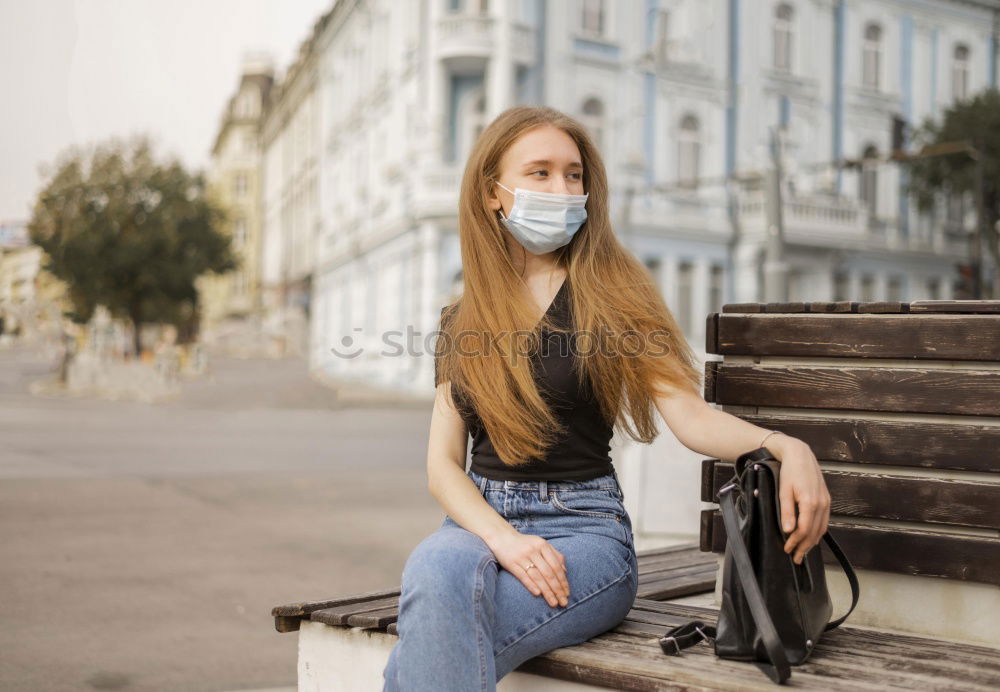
465,34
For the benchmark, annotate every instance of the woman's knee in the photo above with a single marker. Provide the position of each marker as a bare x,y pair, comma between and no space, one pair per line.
448,560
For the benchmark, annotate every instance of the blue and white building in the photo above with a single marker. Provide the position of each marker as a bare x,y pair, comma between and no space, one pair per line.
367,149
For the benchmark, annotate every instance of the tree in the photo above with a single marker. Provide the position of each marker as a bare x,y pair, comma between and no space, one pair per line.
124,231
976,121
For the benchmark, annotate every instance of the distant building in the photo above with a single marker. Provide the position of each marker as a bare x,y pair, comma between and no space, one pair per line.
234,176
367,136
20,263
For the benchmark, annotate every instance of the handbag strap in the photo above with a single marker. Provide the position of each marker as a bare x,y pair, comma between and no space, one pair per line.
692,632
778,669
851,577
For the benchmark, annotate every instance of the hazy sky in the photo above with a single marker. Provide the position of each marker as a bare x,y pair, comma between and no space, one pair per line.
78,71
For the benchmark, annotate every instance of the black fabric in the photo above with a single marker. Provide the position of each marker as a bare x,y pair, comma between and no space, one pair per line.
582,451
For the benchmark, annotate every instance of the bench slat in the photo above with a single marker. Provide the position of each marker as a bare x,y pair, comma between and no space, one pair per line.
350,614
679,586
884,496
373,619
913,390
960,447
661,614
891,549
960,306
956,337
306,607
667,572
964,306
863,659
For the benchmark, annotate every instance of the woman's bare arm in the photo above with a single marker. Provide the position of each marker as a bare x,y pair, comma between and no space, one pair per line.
715,433
709,431
446,477
461,500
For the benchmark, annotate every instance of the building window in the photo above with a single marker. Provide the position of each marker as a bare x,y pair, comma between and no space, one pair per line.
894,290
688,152
653,265
960,73
471,120
867,288
593,118
783,17
466,113
840,285
868,180
240,233
479,116
716,277
685,295
593,17
241,184
793,284
871,59
246,105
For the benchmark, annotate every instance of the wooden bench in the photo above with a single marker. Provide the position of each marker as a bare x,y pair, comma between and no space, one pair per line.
901,404
344,644
362,627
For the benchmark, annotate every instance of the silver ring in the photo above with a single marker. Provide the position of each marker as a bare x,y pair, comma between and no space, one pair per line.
529,566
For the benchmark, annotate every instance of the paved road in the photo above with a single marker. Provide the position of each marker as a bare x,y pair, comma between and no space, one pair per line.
145,544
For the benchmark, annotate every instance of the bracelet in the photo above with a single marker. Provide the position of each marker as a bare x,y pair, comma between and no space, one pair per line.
768,435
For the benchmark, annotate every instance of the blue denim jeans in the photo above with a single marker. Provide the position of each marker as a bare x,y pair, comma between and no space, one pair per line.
465,622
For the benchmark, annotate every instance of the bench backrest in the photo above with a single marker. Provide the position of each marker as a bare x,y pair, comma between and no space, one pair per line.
900,402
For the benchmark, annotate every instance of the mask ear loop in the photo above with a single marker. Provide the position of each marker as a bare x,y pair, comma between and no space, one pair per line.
500,210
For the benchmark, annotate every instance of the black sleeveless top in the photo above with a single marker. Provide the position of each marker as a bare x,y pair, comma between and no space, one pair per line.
582,451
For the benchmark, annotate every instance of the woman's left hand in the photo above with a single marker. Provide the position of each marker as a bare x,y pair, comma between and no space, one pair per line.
801,487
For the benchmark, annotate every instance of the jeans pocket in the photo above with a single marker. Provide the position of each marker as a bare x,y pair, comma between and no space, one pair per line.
592,502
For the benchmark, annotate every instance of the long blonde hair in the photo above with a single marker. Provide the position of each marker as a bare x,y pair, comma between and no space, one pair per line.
610,291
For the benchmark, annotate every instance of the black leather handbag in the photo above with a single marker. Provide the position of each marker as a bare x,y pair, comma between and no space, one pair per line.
773,611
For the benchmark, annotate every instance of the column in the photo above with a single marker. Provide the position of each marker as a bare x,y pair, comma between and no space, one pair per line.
668,281
436,93
745,280
426,282
699,303
500,71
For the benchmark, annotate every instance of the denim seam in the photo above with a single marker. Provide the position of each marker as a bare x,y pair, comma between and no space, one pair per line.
560,611
477,599
584,512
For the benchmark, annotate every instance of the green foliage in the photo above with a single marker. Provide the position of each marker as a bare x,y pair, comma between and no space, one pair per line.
976,121
130,233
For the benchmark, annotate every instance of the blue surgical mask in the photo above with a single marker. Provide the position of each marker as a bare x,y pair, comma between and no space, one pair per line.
544,221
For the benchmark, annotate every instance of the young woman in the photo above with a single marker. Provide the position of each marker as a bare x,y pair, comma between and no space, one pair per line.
559,335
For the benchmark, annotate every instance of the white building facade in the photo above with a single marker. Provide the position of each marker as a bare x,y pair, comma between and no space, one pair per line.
291,155
680,94
234,175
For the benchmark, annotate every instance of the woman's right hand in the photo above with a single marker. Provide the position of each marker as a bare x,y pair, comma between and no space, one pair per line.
548,576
